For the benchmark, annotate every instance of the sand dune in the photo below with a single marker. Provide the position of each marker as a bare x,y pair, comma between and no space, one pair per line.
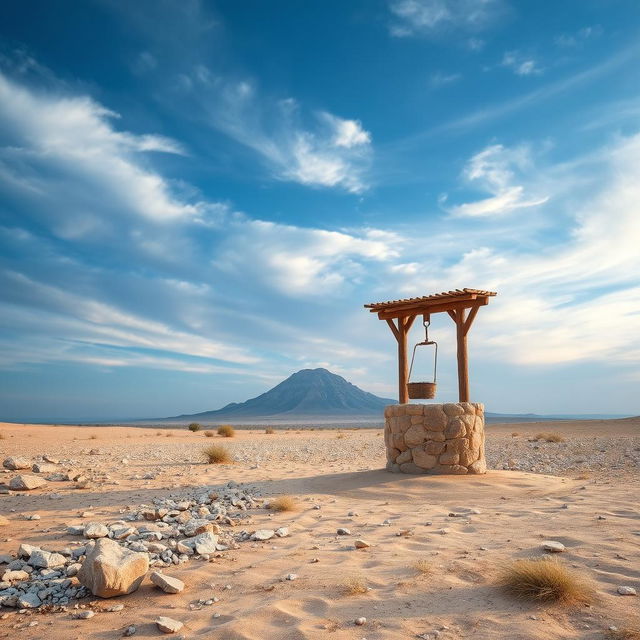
584,493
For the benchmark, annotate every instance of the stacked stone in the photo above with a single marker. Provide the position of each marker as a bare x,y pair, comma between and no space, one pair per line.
435,438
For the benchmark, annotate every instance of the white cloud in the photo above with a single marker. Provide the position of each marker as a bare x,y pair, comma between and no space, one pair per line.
520,64
440,79
494,170
414,17
324,150
570,40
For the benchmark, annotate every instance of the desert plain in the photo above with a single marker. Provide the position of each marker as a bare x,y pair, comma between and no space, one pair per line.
363,554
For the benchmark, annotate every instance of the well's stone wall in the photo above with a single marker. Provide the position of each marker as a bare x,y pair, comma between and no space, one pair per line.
435,438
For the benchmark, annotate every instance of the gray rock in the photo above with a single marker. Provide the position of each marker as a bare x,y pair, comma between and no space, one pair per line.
15,463
95,530
553,546
205,543
28,600
263,534
627,591
43,467
26,482
45,559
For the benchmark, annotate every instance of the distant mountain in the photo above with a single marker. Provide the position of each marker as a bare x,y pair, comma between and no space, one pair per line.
310,392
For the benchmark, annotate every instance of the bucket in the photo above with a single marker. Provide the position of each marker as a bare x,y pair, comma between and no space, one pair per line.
418,390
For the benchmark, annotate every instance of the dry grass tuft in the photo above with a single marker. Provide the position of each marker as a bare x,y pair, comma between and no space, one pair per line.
340,436
423,566
2,436
169,434
194,426
209,434
93,436
514,434
226,430
354,585
549,437
625,633
546,580
283,503
217,454
270,430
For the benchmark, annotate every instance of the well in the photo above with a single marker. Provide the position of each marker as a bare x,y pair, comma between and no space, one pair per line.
435,438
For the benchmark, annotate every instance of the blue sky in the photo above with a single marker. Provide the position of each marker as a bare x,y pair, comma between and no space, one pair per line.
197,198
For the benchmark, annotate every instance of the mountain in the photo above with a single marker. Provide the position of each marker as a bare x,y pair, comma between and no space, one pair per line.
310,392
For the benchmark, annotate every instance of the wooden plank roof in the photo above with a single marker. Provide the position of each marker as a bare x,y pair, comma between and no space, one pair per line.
435,301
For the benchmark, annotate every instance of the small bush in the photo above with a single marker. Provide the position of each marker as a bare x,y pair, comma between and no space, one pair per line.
514,434
270,430
549,437
209,434
545,579
226,430
194,426
216,454
423,566
169,434
354,585
283,503
2,436
340,436
93,437
625,633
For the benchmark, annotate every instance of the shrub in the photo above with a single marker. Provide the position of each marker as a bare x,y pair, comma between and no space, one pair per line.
209,434
545,579
217,454
354,585
625,633
269,430
93,436
423,566
2,436
194,426
169,434
226,430
283,503
549,437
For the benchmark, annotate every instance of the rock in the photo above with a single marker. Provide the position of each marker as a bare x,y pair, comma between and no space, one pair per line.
25,550
130,631
205,543
343,532
411,467
360,621
414,436
627,591
43,467
15,463
95,530
46,560
292,576
28,600
51,459
423,459
111,570
263,534
361,544
553,546
26,482
84,615
166,583
478,467
15,576
168,625
282,532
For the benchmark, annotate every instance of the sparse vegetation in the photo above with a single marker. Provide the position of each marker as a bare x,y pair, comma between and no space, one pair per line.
217,454
514,434
549,437
354,585
340,436
270,430
625,633
283,503
93,436
226,431
545,580
169,434
194,426
2,436
209,434
423,566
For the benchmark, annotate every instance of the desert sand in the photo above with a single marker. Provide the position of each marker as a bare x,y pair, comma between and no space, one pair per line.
583,492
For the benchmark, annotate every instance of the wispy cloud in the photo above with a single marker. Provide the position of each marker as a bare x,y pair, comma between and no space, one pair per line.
577,38
427,17
520,64
441,79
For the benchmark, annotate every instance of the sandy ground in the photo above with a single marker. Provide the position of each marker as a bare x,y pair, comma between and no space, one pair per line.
584,492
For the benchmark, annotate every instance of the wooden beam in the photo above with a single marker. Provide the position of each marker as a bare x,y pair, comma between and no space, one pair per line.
408,321
403,374
394,329
463,369
470,318
437,308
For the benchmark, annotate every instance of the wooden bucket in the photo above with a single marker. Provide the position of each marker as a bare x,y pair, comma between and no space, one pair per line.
418,390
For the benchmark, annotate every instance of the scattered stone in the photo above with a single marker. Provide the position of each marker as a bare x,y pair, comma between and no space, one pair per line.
292,576
16,575
43,467
113,608
130,631
361,544
282,532
166,583
553,546
15,463
343,532
627,591
360,621
168,625
26,482
111,570
95,530
206,543
263,534
46,560
84,615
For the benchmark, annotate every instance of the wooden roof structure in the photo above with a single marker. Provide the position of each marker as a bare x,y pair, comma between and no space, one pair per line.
462,306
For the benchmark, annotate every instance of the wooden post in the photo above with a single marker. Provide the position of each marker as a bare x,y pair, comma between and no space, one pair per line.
463,367
403,393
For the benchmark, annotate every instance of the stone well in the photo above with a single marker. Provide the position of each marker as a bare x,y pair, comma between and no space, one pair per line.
435,438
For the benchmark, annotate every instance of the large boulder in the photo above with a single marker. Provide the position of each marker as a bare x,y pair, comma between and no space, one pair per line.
26,482
111,570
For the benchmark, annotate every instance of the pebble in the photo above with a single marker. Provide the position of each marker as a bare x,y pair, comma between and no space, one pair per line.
130,631
627,591
360,621
166,583
553,546
84,615
343,532
263,534
292,576
361,544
